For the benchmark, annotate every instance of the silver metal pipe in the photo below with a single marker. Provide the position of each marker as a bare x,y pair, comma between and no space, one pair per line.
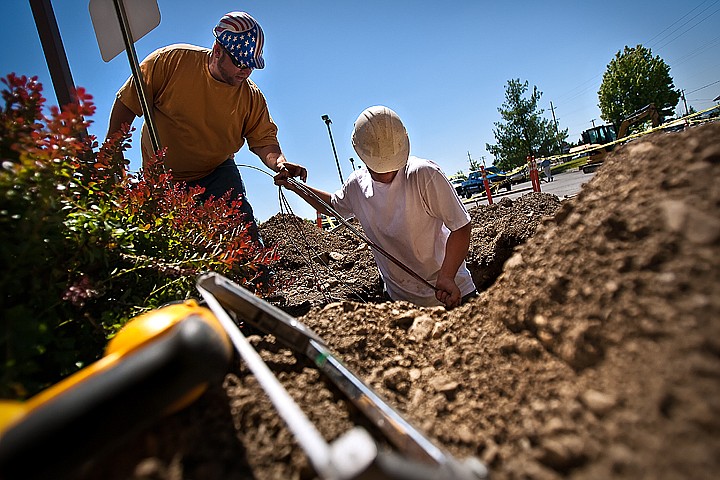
137,74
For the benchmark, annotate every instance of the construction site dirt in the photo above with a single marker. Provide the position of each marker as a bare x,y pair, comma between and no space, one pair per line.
593,350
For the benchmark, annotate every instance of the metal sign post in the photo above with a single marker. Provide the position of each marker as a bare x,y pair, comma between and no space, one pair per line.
133,23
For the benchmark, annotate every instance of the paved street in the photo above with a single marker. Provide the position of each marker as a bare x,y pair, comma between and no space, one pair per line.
565,185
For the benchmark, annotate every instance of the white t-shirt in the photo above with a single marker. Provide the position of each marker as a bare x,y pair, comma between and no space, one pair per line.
410,218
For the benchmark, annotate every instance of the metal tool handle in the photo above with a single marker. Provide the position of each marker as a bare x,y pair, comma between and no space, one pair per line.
403,435
303,340
354,455
308,437
258,313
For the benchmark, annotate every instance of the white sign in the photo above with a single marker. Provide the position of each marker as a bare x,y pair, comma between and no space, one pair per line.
142,15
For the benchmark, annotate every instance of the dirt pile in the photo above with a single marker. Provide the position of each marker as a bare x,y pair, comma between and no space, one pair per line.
499,228
593,353
317,267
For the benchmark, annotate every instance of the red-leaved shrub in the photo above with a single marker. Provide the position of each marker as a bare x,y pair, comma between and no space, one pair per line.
86,245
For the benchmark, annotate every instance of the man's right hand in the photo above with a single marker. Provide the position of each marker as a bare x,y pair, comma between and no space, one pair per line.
448,292
286,170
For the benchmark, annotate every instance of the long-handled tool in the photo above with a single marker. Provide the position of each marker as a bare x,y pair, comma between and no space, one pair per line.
360,235
419,454
317,450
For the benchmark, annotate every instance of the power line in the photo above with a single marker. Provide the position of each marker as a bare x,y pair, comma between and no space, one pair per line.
590,84
704,86
649,42
705,46
580,89
693,26
570,95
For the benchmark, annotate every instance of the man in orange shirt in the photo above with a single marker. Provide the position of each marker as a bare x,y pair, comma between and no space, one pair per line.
205,107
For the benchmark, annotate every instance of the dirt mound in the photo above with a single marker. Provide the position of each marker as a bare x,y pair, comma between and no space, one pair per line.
594,352
499,228
318,266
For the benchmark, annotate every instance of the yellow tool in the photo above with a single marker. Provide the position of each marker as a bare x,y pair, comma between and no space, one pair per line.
157,364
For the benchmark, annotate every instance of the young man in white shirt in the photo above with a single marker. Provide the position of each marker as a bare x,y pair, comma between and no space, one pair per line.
406,206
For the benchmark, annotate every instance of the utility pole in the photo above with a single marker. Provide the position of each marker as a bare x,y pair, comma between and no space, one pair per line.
552,109
557,132
327,121
682,94
593,122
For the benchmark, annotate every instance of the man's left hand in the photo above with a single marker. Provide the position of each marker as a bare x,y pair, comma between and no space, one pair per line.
448,292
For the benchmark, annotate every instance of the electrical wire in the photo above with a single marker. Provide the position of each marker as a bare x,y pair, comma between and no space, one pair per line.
583,87
285,206
689,28
704,86
650,43
286,209
700,49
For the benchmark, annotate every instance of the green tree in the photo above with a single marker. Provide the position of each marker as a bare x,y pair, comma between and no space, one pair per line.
460,175
523,131
634,79
475,164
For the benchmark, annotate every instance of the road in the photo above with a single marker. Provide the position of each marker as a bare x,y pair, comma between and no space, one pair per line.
564,185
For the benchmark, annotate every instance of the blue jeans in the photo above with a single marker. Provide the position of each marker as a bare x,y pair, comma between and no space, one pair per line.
224,178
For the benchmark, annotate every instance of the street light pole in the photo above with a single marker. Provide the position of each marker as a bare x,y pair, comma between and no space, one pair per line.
327,121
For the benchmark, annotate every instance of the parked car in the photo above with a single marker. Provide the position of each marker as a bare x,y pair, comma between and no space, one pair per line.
457,183
474,183
519,175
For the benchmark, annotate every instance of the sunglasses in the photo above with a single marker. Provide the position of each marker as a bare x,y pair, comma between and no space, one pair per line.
238,65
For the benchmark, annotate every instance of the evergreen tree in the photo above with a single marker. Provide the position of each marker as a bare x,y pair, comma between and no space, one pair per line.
523,131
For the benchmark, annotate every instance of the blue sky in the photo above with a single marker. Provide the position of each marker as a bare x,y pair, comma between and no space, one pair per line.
442,66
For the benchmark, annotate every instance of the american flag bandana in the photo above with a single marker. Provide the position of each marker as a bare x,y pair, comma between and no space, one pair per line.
242,37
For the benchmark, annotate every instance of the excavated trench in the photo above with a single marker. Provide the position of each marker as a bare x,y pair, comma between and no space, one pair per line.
341,266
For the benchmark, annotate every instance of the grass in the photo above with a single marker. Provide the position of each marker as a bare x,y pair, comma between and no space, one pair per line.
569,165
